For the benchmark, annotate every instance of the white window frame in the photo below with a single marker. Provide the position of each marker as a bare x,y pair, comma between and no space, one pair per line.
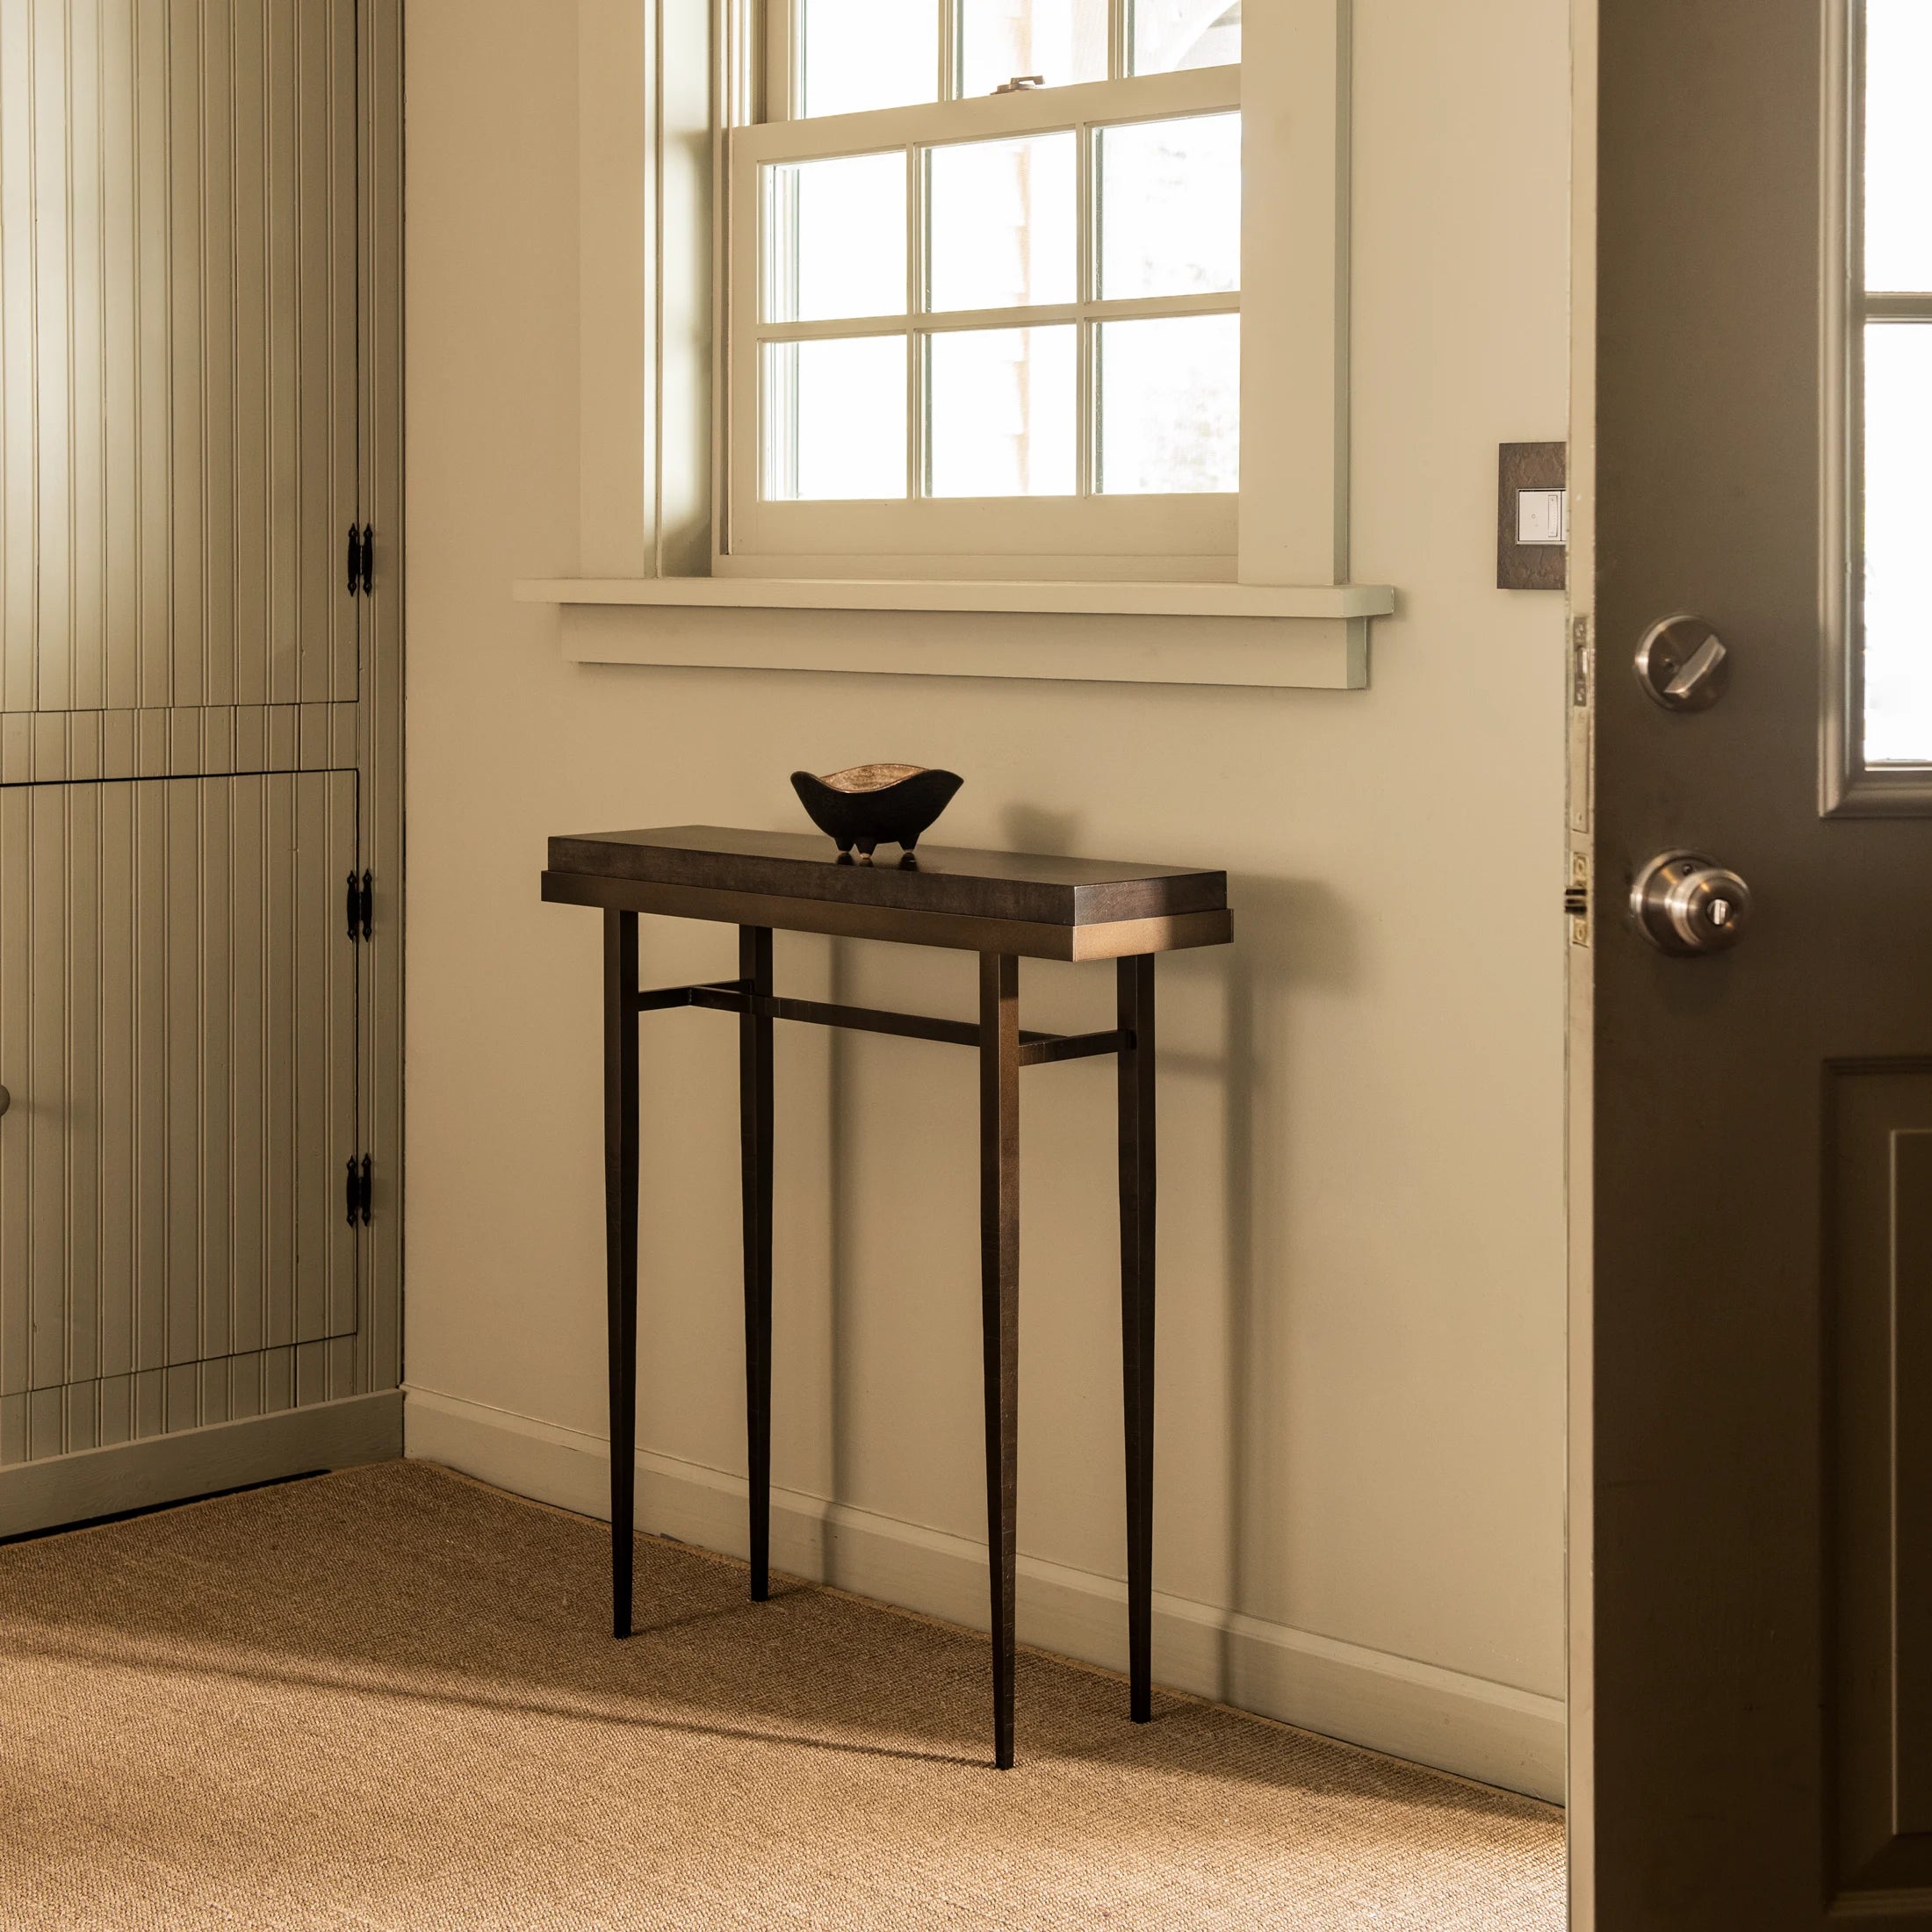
1850,787
662,83
1086,536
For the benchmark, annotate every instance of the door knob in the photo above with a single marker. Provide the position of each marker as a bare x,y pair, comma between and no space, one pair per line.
1683,665
6,1099
1685,903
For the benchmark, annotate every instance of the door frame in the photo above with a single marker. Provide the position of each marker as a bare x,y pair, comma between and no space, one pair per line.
1580,1000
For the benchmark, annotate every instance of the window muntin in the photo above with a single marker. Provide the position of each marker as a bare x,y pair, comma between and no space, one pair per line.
1003,412
1002,221
1892,330
834,238
1170,405
1169,36
834,415
858,55
1898,145
1168,207
1060,42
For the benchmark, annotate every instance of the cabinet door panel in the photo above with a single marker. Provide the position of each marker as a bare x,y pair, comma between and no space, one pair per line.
178,1028
177,352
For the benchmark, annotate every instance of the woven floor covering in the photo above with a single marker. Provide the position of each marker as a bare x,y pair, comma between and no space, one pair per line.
388,1699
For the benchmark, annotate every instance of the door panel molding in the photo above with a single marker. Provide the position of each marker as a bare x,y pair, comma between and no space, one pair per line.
1878,1342
176,741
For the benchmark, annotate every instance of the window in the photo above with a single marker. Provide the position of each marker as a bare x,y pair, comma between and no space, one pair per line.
1047,404
1891,330
985,290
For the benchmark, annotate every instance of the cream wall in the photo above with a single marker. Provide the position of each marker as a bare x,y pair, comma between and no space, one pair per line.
1361,1236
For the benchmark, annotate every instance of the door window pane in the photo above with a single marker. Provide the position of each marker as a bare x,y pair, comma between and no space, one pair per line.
860,54
1170,405
1898,519
1171,35
1170,196
834,419
835,238
1002,215
1004,412
1060,40
1898,145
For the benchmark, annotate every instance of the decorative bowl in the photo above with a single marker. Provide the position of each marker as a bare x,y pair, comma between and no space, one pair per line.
867,807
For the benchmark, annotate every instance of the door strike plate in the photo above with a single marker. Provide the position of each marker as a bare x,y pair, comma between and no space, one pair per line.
1576,899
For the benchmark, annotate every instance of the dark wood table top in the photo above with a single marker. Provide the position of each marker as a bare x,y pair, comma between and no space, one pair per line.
1037,906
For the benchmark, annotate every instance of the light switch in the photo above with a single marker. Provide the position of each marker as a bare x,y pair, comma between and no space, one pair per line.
1540,516
1532,516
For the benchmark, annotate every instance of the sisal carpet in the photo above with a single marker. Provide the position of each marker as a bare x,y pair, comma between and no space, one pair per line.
387,1698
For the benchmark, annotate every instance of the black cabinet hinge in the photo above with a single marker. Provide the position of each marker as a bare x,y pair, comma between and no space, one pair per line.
359,1197
362,560
359,906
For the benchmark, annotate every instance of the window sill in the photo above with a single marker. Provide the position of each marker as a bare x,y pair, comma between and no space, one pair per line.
1252,635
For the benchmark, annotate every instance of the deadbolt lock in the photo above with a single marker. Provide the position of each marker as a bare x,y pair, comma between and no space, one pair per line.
1683,665
1685,902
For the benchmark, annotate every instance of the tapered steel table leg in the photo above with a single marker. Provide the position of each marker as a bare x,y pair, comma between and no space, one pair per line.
620,1027
1136,1074
1000,1306
754,1113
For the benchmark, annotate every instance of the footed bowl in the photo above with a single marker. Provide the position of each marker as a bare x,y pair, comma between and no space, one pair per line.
866,806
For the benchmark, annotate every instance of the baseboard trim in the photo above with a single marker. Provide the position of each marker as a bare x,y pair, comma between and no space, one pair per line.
1492,1733
157,1469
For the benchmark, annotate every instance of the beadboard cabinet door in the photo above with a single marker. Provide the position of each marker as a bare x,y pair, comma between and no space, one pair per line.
177,1007
177,320
201,705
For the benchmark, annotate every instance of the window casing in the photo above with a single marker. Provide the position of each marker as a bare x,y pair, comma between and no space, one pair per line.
1877,381
663,87
777,341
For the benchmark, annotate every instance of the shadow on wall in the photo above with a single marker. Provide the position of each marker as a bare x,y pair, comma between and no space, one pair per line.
1290,934
1029,828
1293,937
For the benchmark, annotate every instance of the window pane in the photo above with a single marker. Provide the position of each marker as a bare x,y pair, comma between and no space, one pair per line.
1898,519
1170,35
1005,410
1060,40
834,419
1170,405
835,238
1002,215
1898,145
1171,207
865,53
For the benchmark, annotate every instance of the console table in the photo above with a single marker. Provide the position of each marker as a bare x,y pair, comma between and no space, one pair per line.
1005,907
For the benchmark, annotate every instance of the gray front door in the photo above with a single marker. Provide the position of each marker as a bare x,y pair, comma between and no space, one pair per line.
184,730
1755,1719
